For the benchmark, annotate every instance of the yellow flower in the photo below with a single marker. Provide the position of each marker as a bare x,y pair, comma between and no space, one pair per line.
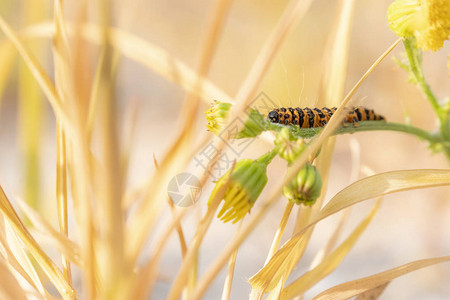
216,116
247,181
427,20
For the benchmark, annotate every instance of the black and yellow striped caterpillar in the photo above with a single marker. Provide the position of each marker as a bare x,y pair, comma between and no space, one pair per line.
316,117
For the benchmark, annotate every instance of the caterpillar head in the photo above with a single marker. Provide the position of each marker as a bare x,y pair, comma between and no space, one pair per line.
273,116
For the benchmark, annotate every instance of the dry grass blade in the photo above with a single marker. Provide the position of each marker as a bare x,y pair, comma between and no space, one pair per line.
179,228
159,61
335,65
61,59
215,28
16,257
332,240
93,101
279,266
31,114
183,139
147,274
274,274
65,246
39,74
162,63
31,111
138,226
46,263
336,57
10,288
305,282
356,166
145,53
230,273
202,228
280,231
7,58
113,271
356,287
61,192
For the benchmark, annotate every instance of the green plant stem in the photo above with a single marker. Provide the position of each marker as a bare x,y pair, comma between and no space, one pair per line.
364,126
415,63
391,126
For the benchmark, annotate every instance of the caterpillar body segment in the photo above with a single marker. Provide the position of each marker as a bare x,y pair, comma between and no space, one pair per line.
316,117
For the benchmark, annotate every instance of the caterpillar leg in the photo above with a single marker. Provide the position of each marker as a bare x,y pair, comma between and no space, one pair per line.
355,122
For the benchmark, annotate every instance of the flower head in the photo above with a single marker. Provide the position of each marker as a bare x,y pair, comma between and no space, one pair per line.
247,181
427,20
217,116
305,187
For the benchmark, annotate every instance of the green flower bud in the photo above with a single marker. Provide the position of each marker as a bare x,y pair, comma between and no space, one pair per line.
247,181
287,148
217,116
305,187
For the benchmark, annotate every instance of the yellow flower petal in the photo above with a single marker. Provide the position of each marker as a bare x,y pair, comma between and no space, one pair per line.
427,20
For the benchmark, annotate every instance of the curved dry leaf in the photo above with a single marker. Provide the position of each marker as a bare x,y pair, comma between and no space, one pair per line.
367,188
383,184
356,287
279,266
374,293
330,263
379,185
